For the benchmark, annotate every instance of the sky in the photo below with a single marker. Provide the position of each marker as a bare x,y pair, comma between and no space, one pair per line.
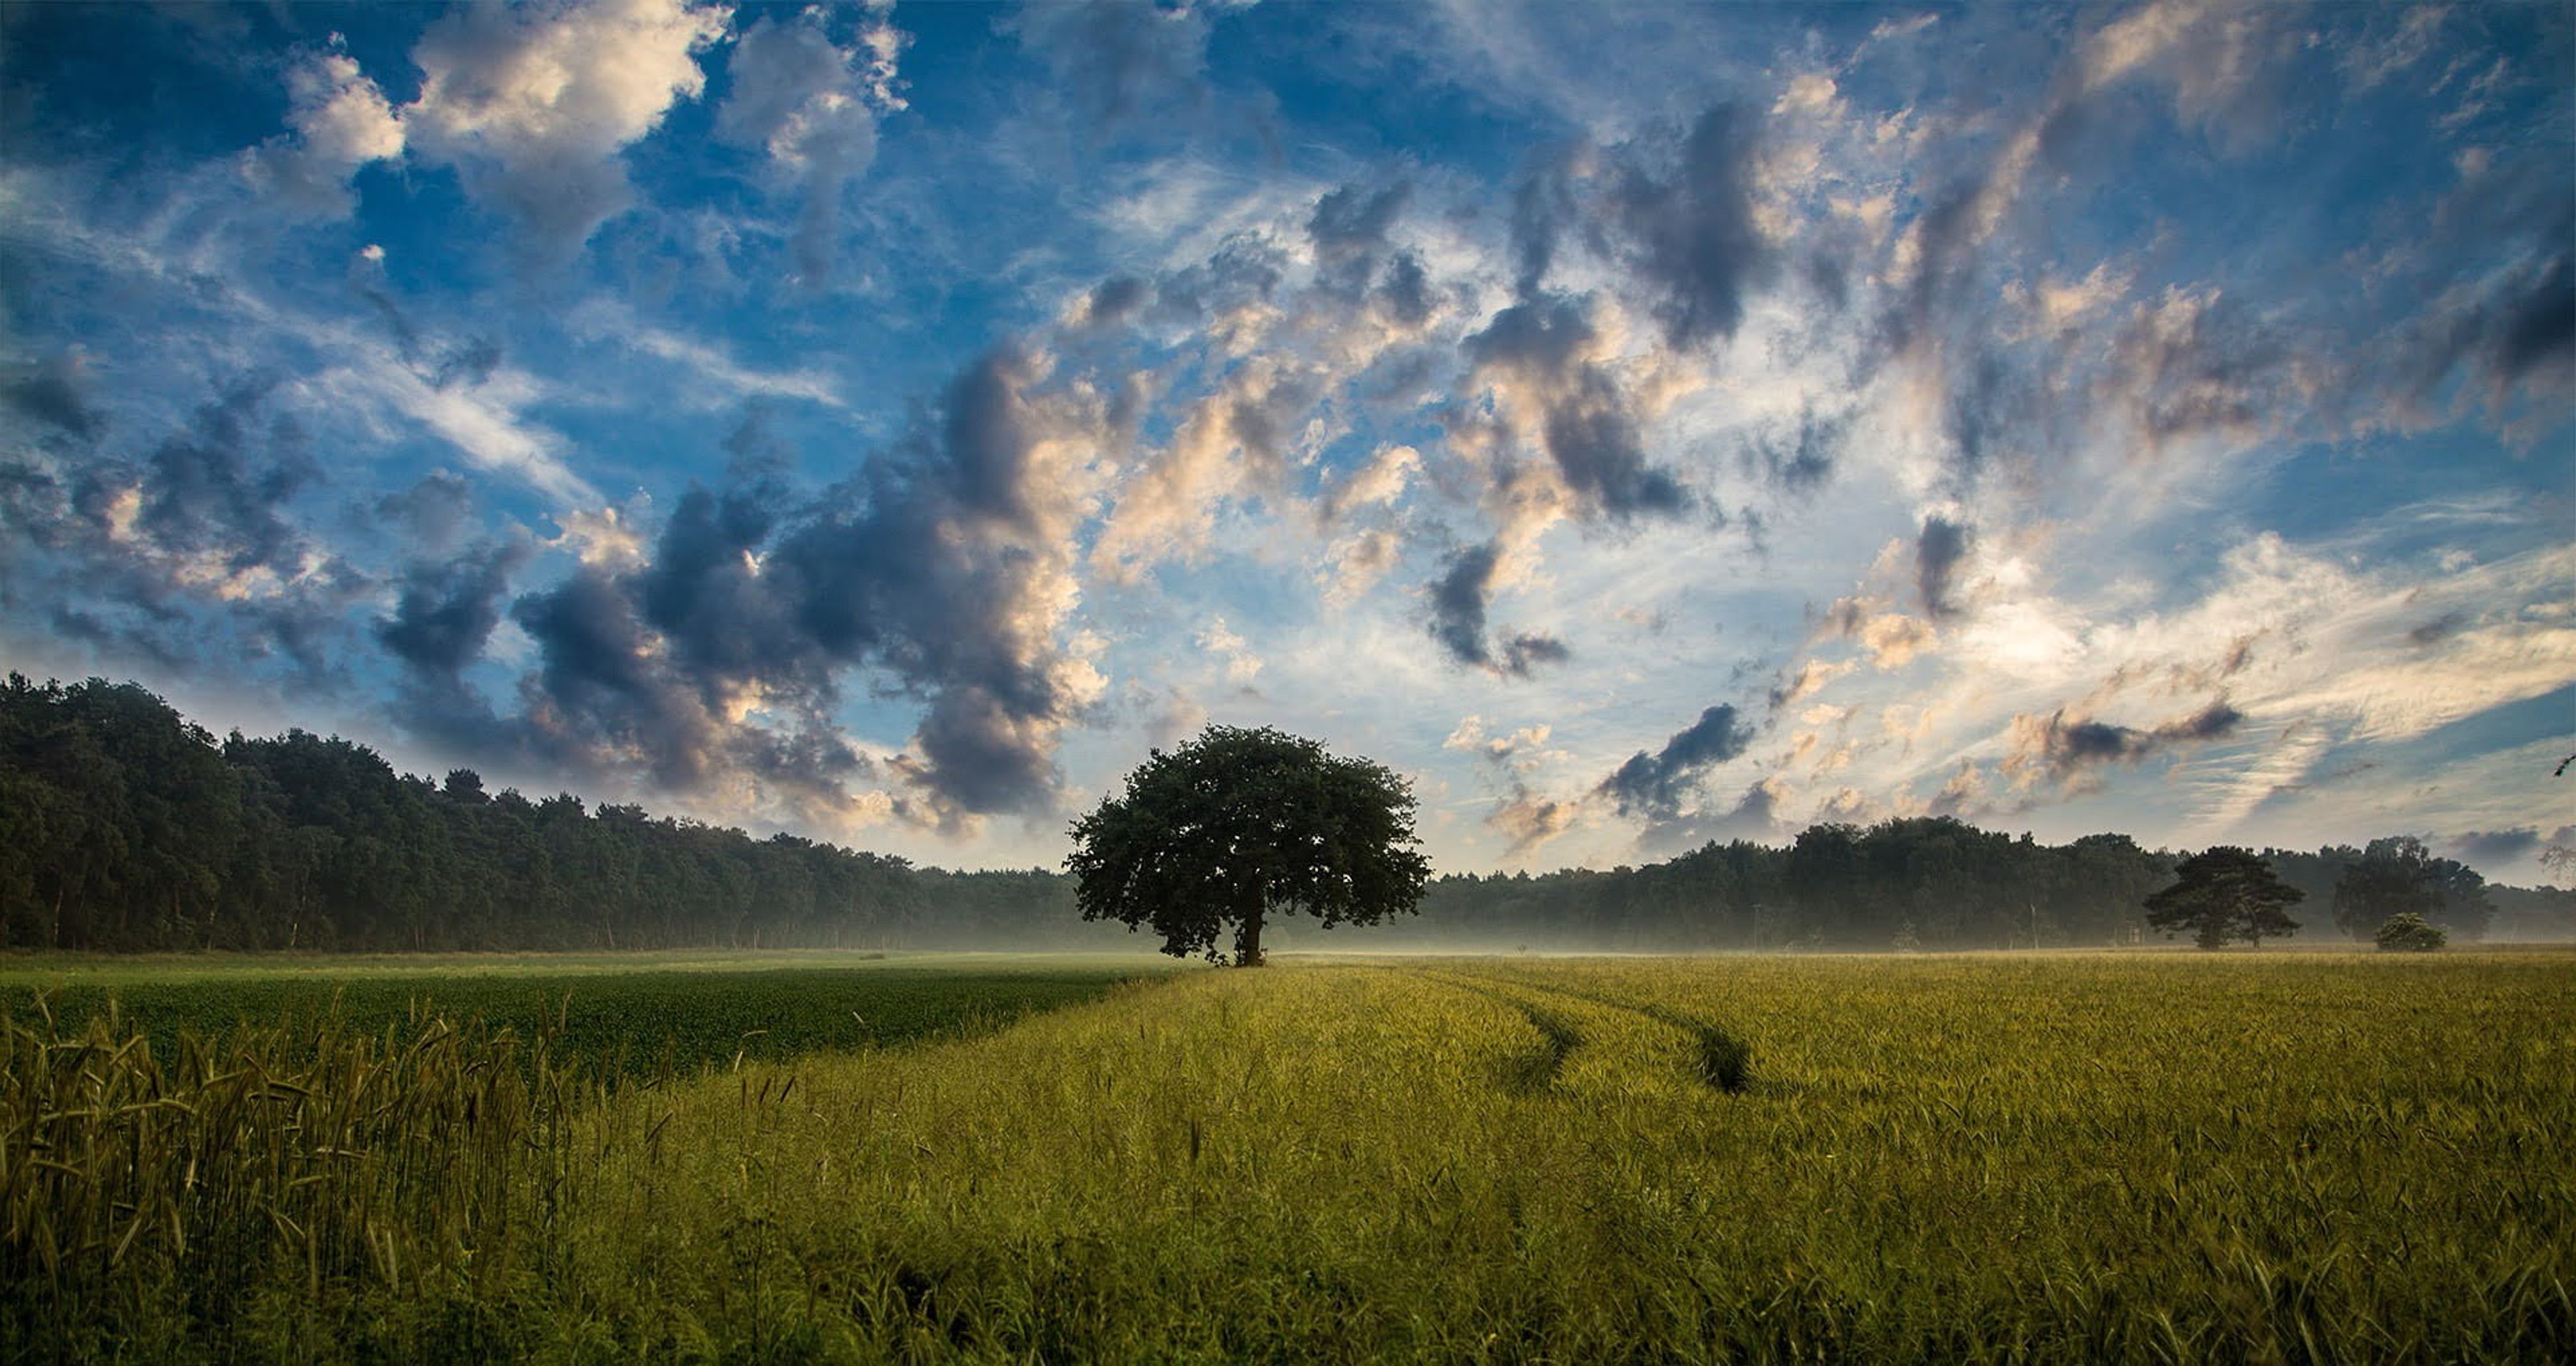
1636,425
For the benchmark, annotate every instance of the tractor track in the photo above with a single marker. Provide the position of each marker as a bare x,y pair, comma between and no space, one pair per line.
1723,1062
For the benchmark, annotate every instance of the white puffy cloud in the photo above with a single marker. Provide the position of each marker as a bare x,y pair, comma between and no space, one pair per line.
340,122
534,106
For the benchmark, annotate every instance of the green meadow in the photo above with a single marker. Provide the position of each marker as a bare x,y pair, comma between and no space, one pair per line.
2154,1157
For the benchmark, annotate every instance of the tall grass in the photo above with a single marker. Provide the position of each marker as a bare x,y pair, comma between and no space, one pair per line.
261,1181
2293,1159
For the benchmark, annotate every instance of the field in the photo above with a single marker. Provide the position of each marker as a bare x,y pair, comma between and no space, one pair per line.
628,1015
2129,1157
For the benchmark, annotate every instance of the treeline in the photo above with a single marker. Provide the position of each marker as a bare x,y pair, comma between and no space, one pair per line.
1937,883
124,826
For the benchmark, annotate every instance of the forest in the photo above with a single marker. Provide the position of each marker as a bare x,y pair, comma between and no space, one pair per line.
124,826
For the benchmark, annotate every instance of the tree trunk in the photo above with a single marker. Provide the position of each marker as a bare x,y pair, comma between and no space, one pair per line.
1247,941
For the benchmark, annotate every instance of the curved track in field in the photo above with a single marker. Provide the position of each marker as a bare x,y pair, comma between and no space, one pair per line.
1723,1062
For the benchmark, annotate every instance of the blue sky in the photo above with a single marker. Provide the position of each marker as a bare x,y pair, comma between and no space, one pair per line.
1638,425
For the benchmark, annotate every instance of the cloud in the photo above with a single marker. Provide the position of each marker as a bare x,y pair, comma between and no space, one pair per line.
1812,677
1122,61
1241,665
1458,601
806,102
340,122
1347,230
1232,445
1803,462
1937,554
1895,640
194,550
432,514
2064,748
1526,651
1694,243
1110,302
214,499
2489,849
1349,221
1527,821
1654,785
944,566
1544,359
535,106
51,391
1377,483
1458,604
446,610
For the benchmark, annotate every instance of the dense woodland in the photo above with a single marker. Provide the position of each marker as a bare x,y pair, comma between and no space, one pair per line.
124,826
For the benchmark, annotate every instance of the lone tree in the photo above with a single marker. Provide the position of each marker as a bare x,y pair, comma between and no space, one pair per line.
2225,893
1238,824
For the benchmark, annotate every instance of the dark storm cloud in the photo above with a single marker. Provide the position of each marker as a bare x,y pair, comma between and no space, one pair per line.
1654,785
1692,234
1937,553
49,391
1585,421
1942,266
445,611
32,511
979,755
1348,231
2517,328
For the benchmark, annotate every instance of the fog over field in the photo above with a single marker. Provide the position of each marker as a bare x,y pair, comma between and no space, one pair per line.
1638,425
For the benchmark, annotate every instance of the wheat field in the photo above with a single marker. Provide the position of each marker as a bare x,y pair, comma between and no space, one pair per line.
2149,1157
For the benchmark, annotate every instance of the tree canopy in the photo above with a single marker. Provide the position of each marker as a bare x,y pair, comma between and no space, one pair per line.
2398,876
124,826
1238,824
2223,894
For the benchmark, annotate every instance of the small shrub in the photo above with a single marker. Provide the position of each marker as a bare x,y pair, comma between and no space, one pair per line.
2407,932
